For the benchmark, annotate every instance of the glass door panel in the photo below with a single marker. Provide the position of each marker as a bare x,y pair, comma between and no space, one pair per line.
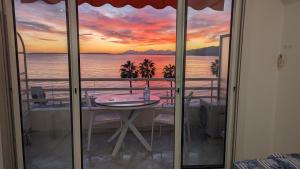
205,94
43,67
122,51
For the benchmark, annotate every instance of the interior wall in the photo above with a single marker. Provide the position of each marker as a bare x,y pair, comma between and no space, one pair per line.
258,82
287,123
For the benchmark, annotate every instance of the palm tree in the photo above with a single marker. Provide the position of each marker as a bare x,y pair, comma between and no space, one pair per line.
128,70
215,66
169,72
147,70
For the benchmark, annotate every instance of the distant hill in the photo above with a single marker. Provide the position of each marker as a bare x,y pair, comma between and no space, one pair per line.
207,51
150,52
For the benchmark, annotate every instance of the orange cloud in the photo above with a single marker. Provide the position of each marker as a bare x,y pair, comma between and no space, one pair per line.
115,30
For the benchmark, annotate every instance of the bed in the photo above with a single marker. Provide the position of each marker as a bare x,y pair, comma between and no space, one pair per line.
275,161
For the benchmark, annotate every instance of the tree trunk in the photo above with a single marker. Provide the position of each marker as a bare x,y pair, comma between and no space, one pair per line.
130,84
148,83
171,92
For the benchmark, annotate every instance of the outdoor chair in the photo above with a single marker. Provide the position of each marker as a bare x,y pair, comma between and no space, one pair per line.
39,94
97,117
169,118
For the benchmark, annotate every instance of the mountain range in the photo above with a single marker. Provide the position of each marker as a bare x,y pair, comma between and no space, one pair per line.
207,51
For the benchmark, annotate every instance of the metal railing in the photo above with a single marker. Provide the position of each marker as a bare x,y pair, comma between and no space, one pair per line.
210,85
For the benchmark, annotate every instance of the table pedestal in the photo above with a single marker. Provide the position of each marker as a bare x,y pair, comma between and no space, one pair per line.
127,121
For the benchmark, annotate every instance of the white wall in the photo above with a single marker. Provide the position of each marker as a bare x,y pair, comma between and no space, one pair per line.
287,124
257,103
269,102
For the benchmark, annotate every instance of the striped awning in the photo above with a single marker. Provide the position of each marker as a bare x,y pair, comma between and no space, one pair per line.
158,4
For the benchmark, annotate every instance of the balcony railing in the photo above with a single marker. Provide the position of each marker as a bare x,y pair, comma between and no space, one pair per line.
209,87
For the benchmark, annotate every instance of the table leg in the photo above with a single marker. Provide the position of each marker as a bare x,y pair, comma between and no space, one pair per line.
115,134
124,117
120,140
140,137
128,119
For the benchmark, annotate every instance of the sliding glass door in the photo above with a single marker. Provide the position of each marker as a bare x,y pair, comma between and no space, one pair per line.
44,84
123,84
205,87
124,52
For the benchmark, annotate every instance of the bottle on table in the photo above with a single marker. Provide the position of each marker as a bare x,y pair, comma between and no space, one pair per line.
146,94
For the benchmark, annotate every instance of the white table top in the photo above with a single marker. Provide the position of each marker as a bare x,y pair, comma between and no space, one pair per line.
125,101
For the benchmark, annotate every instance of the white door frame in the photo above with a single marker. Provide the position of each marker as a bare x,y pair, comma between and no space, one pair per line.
179,81
233,80
8,7
75,81
180,60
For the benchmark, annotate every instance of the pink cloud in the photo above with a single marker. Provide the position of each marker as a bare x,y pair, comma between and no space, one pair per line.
209,26
137,27
128,26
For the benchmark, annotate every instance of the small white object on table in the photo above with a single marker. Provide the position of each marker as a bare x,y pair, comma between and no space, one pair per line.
131,102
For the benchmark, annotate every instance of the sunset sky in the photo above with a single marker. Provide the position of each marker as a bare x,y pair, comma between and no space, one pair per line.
107,29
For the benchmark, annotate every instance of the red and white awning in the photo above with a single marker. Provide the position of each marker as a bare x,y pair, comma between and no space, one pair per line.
158,4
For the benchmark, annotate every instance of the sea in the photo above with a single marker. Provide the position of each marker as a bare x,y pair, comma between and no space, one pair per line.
44,66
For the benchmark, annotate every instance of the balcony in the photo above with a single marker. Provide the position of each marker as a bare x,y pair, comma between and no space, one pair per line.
47,128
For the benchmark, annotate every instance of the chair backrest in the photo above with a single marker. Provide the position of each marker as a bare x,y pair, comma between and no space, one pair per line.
88,100
37,92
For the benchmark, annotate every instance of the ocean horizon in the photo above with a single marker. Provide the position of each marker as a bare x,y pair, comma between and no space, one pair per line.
47,65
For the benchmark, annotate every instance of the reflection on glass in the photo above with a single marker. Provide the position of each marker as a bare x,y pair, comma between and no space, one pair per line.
44,84
122,51
205,100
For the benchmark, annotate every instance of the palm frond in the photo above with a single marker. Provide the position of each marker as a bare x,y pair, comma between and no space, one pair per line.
169,71
147,68
215,66
128,70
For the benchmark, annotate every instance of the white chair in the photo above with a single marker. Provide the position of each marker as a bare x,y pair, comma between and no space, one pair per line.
169,118
100,118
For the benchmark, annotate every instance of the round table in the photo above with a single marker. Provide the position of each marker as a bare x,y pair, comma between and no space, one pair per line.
131,102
